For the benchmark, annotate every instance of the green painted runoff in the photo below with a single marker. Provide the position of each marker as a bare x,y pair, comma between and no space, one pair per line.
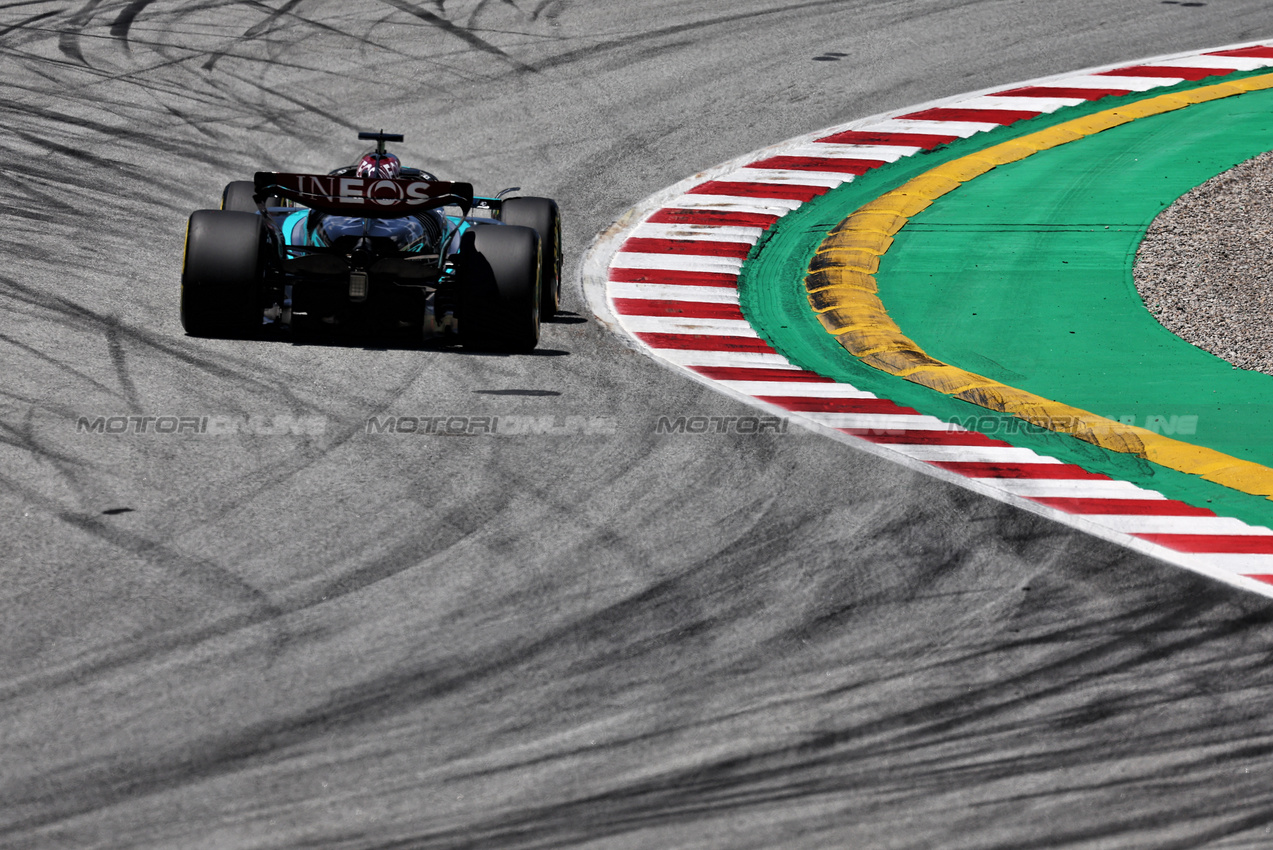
773,298
1024,275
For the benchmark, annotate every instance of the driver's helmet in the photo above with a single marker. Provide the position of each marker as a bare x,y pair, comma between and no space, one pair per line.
379,165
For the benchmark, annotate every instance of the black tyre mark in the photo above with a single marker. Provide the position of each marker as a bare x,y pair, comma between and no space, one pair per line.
208,574
76,317
678,29
120,361
448,27
547,9
305,105
404,556
124,22
68,369
256,29
481,5
24,437
21,25
266,25
69,40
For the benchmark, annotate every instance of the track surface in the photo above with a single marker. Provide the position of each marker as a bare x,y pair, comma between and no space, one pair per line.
624,640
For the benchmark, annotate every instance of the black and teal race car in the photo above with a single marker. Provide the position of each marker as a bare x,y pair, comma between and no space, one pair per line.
373,245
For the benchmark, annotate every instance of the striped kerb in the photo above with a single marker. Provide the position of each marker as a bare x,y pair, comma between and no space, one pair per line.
672,285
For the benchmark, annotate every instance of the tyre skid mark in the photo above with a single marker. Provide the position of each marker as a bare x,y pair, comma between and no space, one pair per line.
124,21
450,28
380,696
129,343
25,24
829,763
69,38
266,611
641,41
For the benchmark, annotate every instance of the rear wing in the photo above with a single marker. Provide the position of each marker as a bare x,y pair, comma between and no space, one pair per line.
368,197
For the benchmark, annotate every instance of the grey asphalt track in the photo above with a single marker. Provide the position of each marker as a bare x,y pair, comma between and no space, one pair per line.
336,639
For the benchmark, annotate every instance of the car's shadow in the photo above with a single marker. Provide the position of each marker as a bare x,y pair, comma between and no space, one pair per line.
371,338
565,317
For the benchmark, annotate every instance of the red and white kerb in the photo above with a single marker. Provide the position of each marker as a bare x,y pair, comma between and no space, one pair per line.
672,284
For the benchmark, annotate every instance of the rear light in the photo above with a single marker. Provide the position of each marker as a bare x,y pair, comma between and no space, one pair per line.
357,286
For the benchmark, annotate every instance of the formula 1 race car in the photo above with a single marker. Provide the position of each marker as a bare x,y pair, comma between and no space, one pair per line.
373,244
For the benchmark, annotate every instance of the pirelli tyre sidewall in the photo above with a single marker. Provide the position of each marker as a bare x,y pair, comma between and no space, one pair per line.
240,196
542,215
222,273
500,298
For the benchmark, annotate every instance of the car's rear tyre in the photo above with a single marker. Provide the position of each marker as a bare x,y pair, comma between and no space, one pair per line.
499,288
240,196
541,215
222,274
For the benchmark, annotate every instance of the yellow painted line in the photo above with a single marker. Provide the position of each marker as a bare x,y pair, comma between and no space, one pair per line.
842,290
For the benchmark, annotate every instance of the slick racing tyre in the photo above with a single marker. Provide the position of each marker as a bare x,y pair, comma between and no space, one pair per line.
239,196
542,215
499,301
222,274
